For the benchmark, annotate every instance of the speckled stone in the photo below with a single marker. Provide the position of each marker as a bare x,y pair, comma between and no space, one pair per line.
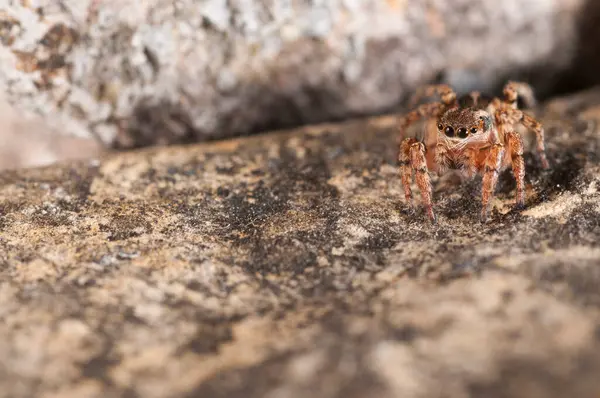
289,265
132,73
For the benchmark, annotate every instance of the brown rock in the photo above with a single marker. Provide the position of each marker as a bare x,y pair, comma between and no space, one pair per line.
288,265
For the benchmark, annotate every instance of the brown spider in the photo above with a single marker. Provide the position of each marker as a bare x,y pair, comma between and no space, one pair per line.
474,135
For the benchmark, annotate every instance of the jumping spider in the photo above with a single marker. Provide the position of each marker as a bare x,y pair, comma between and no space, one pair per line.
474,134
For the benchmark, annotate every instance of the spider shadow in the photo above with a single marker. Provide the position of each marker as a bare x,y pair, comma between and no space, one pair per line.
458,197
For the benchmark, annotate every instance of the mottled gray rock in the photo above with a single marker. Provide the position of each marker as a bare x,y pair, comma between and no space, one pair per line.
136,73
288,265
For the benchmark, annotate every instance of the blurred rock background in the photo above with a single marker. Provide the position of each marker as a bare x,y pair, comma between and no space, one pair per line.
82,76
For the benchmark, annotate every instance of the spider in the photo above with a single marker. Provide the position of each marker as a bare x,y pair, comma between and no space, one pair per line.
474,135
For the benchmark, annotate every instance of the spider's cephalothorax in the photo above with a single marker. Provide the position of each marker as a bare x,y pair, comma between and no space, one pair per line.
474,135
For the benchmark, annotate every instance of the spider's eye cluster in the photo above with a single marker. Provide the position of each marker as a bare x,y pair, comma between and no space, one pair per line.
461,132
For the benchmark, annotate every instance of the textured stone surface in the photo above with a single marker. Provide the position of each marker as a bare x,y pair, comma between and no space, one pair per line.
133,73
288,265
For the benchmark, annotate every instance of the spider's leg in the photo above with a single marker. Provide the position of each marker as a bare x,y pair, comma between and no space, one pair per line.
515,148
406,168
508,116
531,123
419,165
515,90
475,99
492,165
424,111
470,163
445,92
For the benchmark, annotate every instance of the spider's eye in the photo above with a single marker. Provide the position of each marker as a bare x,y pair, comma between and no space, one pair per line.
462,132
440,126
473,130
487,123
449,131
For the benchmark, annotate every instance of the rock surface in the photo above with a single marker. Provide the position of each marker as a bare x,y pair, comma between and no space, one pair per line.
133,73
288,265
